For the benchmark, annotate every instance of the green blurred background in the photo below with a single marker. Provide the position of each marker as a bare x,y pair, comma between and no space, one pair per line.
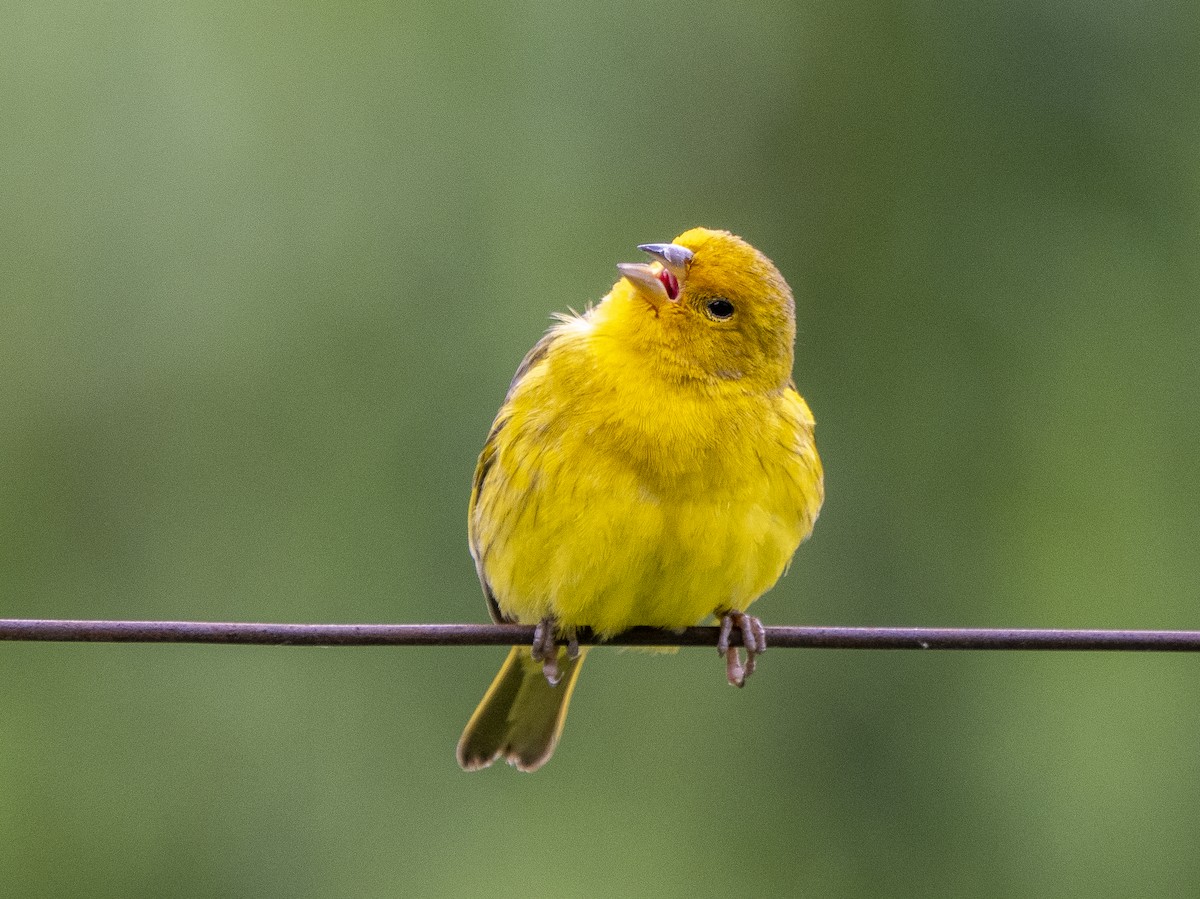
265,273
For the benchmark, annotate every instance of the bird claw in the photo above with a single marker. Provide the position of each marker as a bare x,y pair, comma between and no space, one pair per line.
754,638
545,650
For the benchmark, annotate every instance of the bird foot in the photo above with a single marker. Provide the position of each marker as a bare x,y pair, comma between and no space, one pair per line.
545,649
754,638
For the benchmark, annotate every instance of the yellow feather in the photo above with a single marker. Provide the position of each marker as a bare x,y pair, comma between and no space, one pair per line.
652,463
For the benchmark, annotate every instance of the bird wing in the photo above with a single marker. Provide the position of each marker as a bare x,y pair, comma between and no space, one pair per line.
487,458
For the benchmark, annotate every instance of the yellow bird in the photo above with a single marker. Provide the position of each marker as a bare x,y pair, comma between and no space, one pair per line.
652,464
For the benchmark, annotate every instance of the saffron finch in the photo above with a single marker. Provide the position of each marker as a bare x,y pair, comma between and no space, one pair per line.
652,464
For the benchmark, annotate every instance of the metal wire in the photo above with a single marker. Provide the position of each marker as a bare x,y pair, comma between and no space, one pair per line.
31,629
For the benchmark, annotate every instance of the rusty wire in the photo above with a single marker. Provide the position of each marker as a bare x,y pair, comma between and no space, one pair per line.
276,634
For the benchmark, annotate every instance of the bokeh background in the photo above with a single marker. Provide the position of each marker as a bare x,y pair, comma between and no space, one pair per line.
265,272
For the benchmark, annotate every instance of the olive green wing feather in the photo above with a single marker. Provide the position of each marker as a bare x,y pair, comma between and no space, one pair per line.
487,458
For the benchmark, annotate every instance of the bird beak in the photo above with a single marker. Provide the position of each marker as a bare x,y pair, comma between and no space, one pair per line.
662,279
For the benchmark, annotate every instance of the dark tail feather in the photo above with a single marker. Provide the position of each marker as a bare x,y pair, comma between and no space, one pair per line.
521,715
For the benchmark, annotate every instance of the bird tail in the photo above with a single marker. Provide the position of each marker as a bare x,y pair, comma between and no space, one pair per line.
521,715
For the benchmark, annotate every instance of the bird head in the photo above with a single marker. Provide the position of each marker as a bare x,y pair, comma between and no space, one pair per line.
712,306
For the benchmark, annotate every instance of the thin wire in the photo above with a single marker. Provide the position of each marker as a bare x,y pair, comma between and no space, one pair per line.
29,629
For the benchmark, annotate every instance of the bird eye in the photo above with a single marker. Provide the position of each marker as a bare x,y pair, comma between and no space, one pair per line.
720,308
